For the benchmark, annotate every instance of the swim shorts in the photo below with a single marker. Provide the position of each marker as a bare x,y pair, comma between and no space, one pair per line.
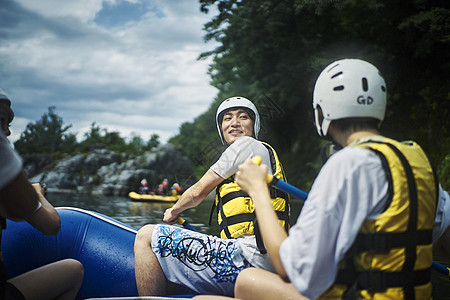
205,264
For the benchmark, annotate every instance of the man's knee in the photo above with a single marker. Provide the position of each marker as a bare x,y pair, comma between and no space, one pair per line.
143,237
74,264
243,281
76,269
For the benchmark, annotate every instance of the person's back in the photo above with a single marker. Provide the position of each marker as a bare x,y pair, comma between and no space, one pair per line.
382,198
394,240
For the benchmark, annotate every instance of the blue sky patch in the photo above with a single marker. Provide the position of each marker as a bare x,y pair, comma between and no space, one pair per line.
120,13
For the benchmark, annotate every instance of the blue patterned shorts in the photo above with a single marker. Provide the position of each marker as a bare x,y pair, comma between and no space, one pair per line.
206,264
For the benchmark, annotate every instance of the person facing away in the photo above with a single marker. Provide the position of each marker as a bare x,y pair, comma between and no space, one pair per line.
374,211
20,200
207,264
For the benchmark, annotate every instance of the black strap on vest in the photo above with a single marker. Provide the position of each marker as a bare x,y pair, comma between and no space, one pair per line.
379,281
383,242
249,217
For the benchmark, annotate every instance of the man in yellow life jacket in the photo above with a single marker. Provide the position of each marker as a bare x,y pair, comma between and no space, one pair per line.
373,213
207,264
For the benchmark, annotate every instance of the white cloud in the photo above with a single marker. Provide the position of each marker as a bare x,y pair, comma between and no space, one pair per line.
84,10
140,75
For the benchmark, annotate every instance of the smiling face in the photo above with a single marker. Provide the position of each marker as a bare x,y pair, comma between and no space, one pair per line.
236,123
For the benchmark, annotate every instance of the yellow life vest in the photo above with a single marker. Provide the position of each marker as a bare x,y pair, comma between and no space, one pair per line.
236,211
392,255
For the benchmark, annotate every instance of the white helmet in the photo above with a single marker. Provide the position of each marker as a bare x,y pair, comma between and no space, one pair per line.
236,102
349,88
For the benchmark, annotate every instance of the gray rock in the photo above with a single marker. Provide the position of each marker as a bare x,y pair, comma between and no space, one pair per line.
105,172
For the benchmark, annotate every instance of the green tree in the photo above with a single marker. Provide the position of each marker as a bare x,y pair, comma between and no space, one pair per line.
98,137
46,136
113,141
153,141
136,144
92,139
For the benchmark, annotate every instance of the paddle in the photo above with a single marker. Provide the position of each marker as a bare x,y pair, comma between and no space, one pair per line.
301,195
283,185
185,224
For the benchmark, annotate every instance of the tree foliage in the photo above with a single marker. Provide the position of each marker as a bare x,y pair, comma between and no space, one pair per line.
50,136
273,51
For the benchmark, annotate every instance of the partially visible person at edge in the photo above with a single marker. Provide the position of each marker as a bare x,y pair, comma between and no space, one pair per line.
207,264
373,213
20,200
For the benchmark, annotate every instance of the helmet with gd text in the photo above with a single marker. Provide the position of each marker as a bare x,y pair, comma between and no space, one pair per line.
348,88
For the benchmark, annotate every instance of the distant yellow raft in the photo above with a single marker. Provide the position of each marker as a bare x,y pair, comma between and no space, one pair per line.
152,198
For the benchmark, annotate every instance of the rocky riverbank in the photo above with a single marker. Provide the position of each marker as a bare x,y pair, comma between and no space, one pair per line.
105,172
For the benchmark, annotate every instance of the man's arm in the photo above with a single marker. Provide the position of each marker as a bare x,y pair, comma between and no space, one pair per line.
252,179
193,196
19,200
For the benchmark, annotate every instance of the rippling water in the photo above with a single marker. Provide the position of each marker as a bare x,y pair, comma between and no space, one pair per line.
137,214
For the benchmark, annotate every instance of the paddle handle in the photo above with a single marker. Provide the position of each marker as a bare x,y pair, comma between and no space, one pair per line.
185,224
282,185
440,268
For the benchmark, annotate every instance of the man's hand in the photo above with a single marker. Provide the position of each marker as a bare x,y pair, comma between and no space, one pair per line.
252,177
40,189
170,217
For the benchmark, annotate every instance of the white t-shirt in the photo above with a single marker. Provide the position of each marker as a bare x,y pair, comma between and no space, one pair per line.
237,153
333,214
10,162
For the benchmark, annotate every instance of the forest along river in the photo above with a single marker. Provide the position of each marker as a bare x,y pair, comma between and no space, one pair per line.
137,214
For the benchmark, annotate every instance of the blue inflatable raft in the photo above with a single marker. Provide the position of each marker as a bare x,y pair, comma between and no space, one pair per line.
103,245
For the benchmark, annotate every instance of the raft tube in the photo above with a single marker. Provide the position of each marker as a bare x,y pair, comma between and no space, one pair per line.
103,245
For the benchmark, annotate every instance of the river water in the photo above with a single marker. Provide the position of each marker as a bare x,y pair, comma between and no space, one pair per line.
137,214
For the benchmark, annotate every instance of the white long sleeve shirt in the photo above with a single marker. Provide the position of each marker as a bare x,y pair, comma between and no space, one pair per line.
350,188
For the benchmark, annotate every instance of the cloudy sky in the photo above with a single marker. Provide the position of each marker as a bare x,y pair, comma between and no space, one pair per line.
128,65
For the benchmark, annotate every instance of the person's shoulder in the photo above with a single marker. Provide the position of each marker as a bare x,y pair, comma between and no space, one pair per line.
351,156
245,141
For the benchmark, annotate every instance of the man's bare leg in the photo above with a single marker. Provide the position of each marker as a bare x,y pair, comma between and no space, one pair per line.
258,284
150,278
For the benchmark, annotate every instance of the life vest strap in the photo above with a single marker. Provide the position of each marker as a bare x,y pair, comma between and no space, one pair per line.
233,195
241,218
379,281
383,242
